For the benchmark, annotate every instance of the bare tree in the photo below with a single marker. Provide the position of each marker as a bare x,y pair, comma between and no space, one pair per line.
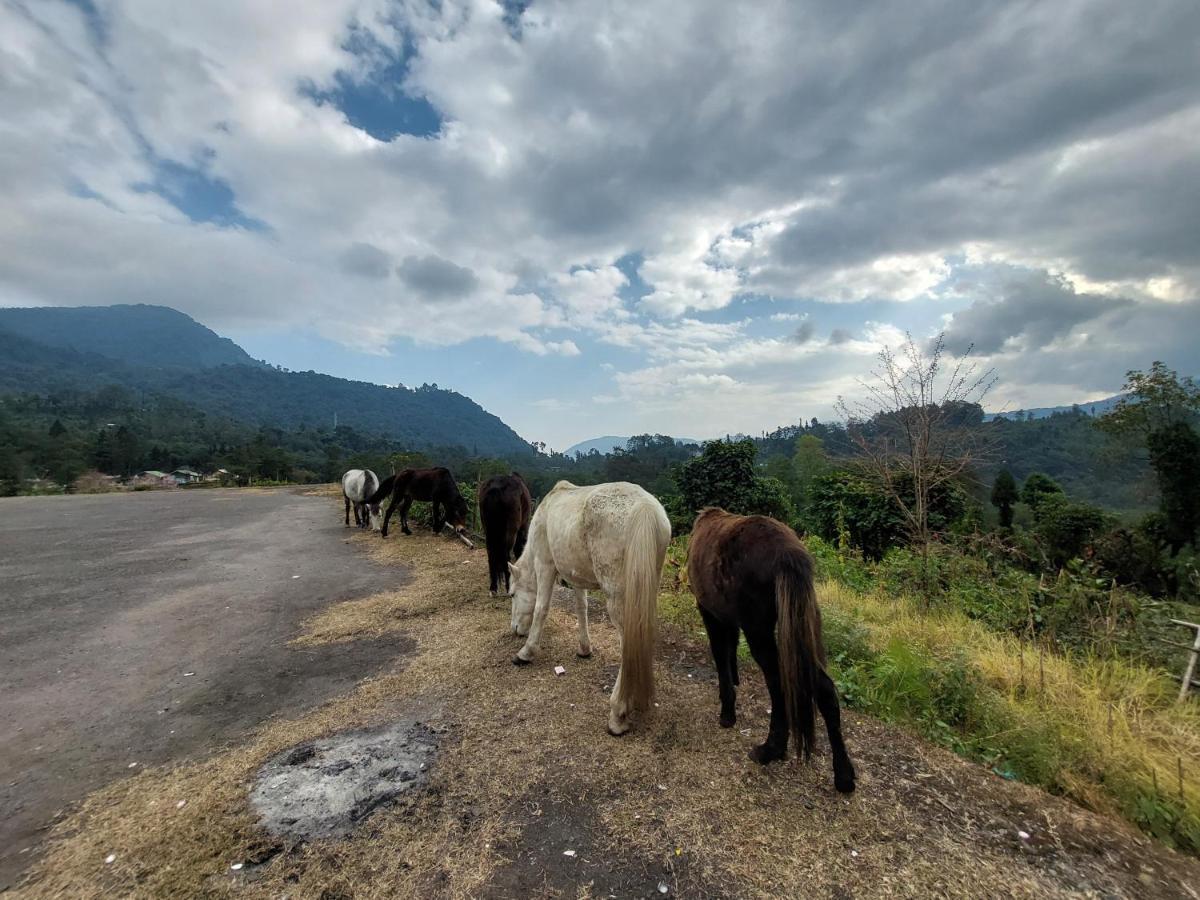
915,426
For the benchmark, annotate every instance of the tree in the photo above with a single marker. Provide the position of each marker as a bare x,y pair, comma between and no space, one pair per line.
723,475
1162,407
809,462
1175,456
1004,495
1153,400
1065,529
1038,487
916,427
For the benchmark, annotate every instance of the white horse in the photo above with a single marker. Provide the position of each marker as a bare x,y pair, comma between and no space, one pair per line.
610,537
358,485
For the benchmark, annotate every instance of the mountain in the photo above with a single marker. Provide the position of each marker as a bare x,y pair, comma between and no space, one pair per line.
1091,408
141,335
160,351
608,444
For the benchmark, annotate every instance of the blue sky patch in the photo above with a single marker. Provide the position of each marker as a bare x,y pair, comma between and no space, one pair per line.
378,103
199,196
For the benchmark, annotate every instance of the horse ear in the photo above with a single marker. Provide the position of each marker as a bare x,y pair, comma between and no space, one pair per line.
512,568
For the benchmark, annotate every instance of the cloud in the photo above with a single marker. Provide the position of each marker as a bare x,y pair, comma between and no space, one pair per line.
1030,171
366,260
436,278
1026,310
804,333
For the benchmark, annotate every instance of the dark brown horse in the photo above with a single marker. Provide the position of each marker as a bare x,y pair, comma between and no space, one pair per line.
749,574
505,507
435,486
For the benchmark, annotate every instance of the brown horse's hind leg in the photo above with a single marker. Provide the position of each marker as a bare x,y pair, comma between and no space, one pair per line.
766,654
827,703
723,641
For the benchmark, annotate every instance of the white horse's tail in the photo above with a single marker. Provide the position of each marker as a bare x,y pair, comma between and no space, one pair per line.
643,569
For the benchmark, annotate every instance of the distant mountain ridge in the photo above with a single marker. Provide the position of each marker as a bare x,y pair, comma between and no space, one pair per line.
608,443
159,350
139,335
1091,408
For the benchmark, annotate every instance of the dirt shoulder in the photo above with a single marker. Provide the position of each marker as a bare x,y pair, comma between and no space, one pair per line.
526,772
150,628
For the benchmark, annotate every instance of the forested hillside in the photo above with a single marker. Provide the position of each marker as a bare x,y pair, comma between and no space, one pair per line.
157,353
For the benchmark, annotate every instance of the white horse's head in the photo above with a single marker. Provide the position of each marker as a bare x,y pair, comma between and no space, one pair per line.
524,594
375,514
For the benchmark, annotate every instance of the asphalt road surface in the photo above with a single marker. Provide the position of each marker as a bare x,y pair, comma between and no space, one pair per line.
152,627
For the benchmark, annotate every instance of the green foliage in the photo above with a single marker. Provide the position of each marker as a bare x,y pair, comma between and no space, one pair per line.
1064,529
1004,495
724,475
847,507
1038,487
1153,401
1175,456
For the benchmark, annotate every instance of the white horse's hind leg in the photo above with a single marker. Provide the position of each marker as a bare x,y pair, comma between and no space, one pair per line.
585,640
546,579
618,711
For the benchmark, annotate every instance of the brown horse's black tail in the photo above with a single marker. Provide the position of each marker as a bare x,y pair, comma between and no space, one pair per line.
495,532
801,651
383,491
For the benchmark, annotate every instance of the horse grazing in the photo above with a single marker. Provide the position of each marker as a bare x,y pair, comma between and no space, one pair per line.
751,573
610,537
358,486
436,486
505,507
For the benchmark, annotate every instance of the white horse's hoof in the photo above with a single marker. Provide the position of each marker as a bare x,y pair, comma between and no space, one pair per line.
517,661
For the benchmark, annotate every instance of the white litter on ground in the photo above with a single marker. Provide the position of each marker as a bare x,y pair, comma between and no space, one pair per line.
568,853
110,859
559,670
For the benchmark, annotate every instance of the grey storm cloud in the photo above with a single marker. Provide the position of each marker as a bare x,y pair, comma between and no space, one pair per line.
366,260
1029,309
436,278
840,336
804,333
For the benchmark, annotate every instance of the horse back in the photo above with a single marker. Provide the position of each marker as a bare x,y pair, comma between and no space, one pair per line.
735,558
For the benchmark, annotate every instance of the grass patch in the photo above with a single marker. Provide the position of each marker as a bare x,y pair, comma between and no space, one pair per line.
1105,732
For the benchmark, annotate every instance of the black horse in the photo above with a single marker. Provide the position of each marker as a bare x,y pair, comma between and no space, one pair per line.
750,573
505,507
435,486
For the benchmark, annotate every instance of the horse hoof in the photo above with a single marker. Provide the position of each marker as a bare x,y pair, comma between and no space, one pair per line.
764,753
406,531
620,733
583,655
517,661
843,785
728,721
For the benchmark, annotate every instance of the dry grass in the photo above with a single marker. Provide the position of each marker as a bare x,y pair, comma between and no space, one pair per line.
1104,731
675,800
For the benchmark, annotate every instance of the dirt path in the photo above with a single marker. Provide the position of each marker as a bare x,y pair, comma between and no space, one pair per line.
140,629
526,772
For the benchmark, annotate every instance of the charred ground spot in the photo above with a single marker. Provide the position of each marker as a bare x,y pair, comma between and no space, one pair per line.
326,788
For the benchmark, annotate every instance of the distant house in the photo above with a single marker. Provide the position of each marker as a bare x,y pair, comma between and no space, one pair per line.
153,478
186,476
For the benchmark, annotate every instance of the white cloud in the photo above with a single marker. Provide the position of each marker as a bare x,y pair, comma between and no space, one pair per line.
797,153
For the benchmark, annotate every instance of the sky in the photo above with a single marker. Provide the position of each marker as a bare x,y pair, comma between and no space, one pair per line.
690,217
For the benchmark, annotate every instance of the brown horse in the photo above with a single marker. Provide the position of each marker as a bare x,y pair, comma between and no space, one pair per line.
435,486
750,573
505,507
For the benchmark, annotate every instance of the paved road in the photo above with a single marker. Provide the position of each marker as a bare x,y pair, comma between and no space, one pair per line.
108,602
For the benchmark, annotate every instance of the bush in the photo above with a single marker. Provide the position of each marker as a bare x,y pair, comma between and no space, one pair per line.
1065,529
724,475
